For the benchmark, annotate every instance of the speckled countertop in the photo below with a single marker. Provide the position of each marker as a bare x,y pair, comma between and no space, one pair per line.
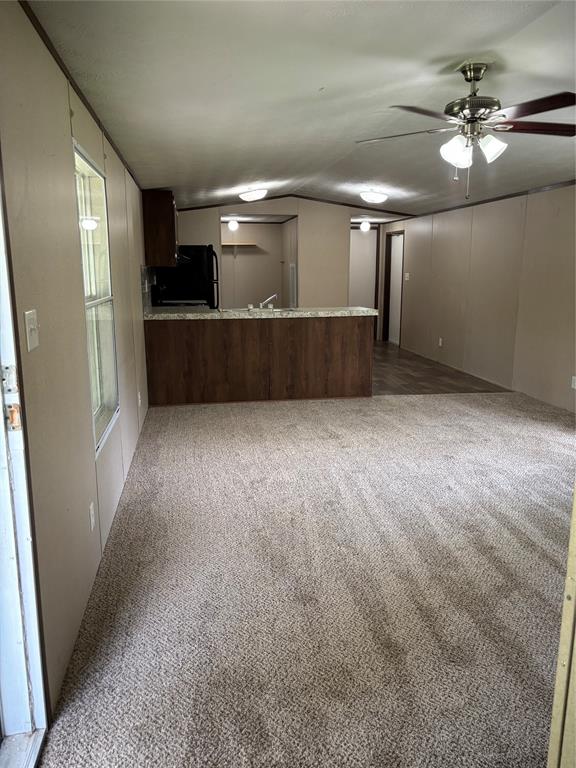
202,313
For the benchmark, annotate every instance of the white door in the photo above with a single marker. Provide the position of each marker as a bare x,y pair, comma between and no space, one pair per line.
397,258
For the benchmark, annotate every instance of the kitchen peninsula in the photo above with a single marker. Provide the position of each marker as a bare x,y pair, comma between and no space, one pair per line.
214,356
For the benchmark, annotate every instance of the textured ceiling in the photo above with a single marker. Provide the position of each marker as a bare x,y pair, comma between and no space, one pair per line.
209,97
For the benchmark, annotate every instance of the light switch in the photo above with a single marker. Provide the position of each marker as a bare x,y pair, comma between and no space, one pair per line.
407,276
31,324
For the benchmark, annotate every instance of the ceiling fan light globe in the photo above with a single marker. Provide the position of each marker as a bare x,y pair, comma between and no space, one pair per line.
457,152
492,147
365,226
233,225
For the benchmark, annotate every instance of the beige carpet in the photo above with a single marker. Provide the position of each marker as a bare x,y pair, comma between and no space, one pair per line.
367,583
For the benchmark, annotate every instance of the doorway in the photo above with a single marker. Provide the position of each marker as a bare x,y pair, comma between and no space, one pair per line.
259,260
393,279
22,701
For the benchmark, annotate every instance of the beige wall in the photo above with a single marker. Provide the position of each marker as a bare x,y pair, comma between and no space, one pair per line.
200,227
289,257
496,282
492,302
136,262
416,327
42,222
123,311
448,277
544,353
362,279
323,254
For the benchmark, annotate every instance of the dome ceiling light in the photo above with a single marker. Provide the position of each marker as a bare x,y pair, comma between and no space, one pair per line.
250,195
372,196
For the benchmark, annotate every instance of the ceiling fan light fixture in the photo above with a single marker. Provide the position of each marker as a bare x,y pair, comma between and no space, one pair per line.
233,225
457,152
253,194
365,226
372,196
491,147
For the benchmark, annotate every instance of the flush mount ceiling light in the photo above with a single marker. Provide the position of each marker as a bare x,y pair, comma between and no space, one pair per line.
371,196
365,226
89,223
253,194
233,225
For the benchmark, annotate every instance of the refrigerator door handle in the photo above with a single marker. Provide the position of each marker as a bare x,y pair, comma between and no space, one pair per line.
217,280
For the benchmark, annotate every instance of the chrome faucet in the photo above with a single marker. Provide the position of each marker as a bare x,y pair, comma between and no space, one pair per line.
262,303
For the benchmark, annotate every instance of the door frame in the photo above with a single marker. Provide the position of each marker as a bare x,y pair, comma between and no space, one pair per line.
386,284
21,748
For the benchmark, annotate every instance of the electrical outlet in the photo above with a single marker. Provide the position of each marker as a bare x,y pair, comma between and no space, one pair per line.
440,341
139,400
92,516
573,382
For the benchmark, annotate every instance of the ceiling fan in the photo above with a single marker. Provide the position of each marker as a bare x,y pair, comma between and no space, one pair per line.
475,118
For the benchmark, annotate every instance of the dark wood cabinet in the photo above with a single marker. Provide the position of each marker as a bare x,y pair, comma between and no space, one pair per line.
218,361
160,236
321,357
207,361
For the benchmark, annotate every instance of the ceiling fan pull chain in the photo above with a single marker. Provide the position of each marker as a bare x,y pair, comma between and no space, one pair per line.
468,184
455,177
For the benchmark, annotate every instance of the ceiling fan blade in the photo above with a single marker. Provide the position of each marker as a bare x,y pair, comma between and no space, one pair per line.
527,126
426,112
545,104
411,133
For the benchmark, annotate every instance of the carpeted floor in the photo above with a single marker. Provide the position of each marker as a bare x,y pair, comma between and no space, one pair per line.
367,583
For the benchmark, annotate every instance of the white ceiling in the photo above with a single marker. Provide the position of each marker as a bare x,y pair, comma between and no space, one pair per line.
209,97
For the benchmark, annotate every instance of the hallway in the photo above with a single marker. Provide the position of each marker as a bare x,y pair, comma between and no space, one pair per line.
399,372
328,584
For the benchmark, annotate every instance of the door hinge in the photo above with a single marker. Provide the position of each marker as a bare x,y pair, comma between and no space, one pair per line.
13,417
9,379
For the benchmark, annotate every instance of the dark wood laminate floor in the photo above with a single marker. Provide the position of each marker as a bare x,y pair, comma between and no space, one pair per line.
399,372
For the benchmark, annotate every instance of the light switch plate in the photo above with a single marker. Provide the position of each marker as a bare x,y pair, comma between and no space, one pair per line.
573,382
92,516
407,276
31,325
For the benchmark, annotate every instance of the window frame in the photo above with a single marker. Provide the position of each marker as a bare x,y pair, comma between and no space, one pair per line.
92,304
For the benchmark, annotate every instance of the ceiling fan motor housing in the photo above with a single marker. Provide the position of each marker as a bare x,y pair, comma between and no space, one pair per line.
472,107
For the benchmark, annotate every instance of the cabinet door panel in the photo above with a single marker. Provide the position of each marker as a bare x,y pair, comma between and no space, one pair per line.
321,357
159,216
207,361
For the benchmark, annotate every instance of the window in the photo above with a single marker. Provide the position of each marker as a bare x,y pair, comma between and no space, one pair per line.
91,194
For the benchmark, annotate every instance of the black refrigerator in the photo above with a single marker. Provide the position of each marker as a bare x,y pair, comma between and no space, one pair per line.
193,281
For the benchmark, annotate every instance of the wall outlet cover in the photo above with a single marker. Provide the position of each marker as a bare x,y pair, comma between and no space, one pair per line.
92,516
440,341
139,400
573,382
407,276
